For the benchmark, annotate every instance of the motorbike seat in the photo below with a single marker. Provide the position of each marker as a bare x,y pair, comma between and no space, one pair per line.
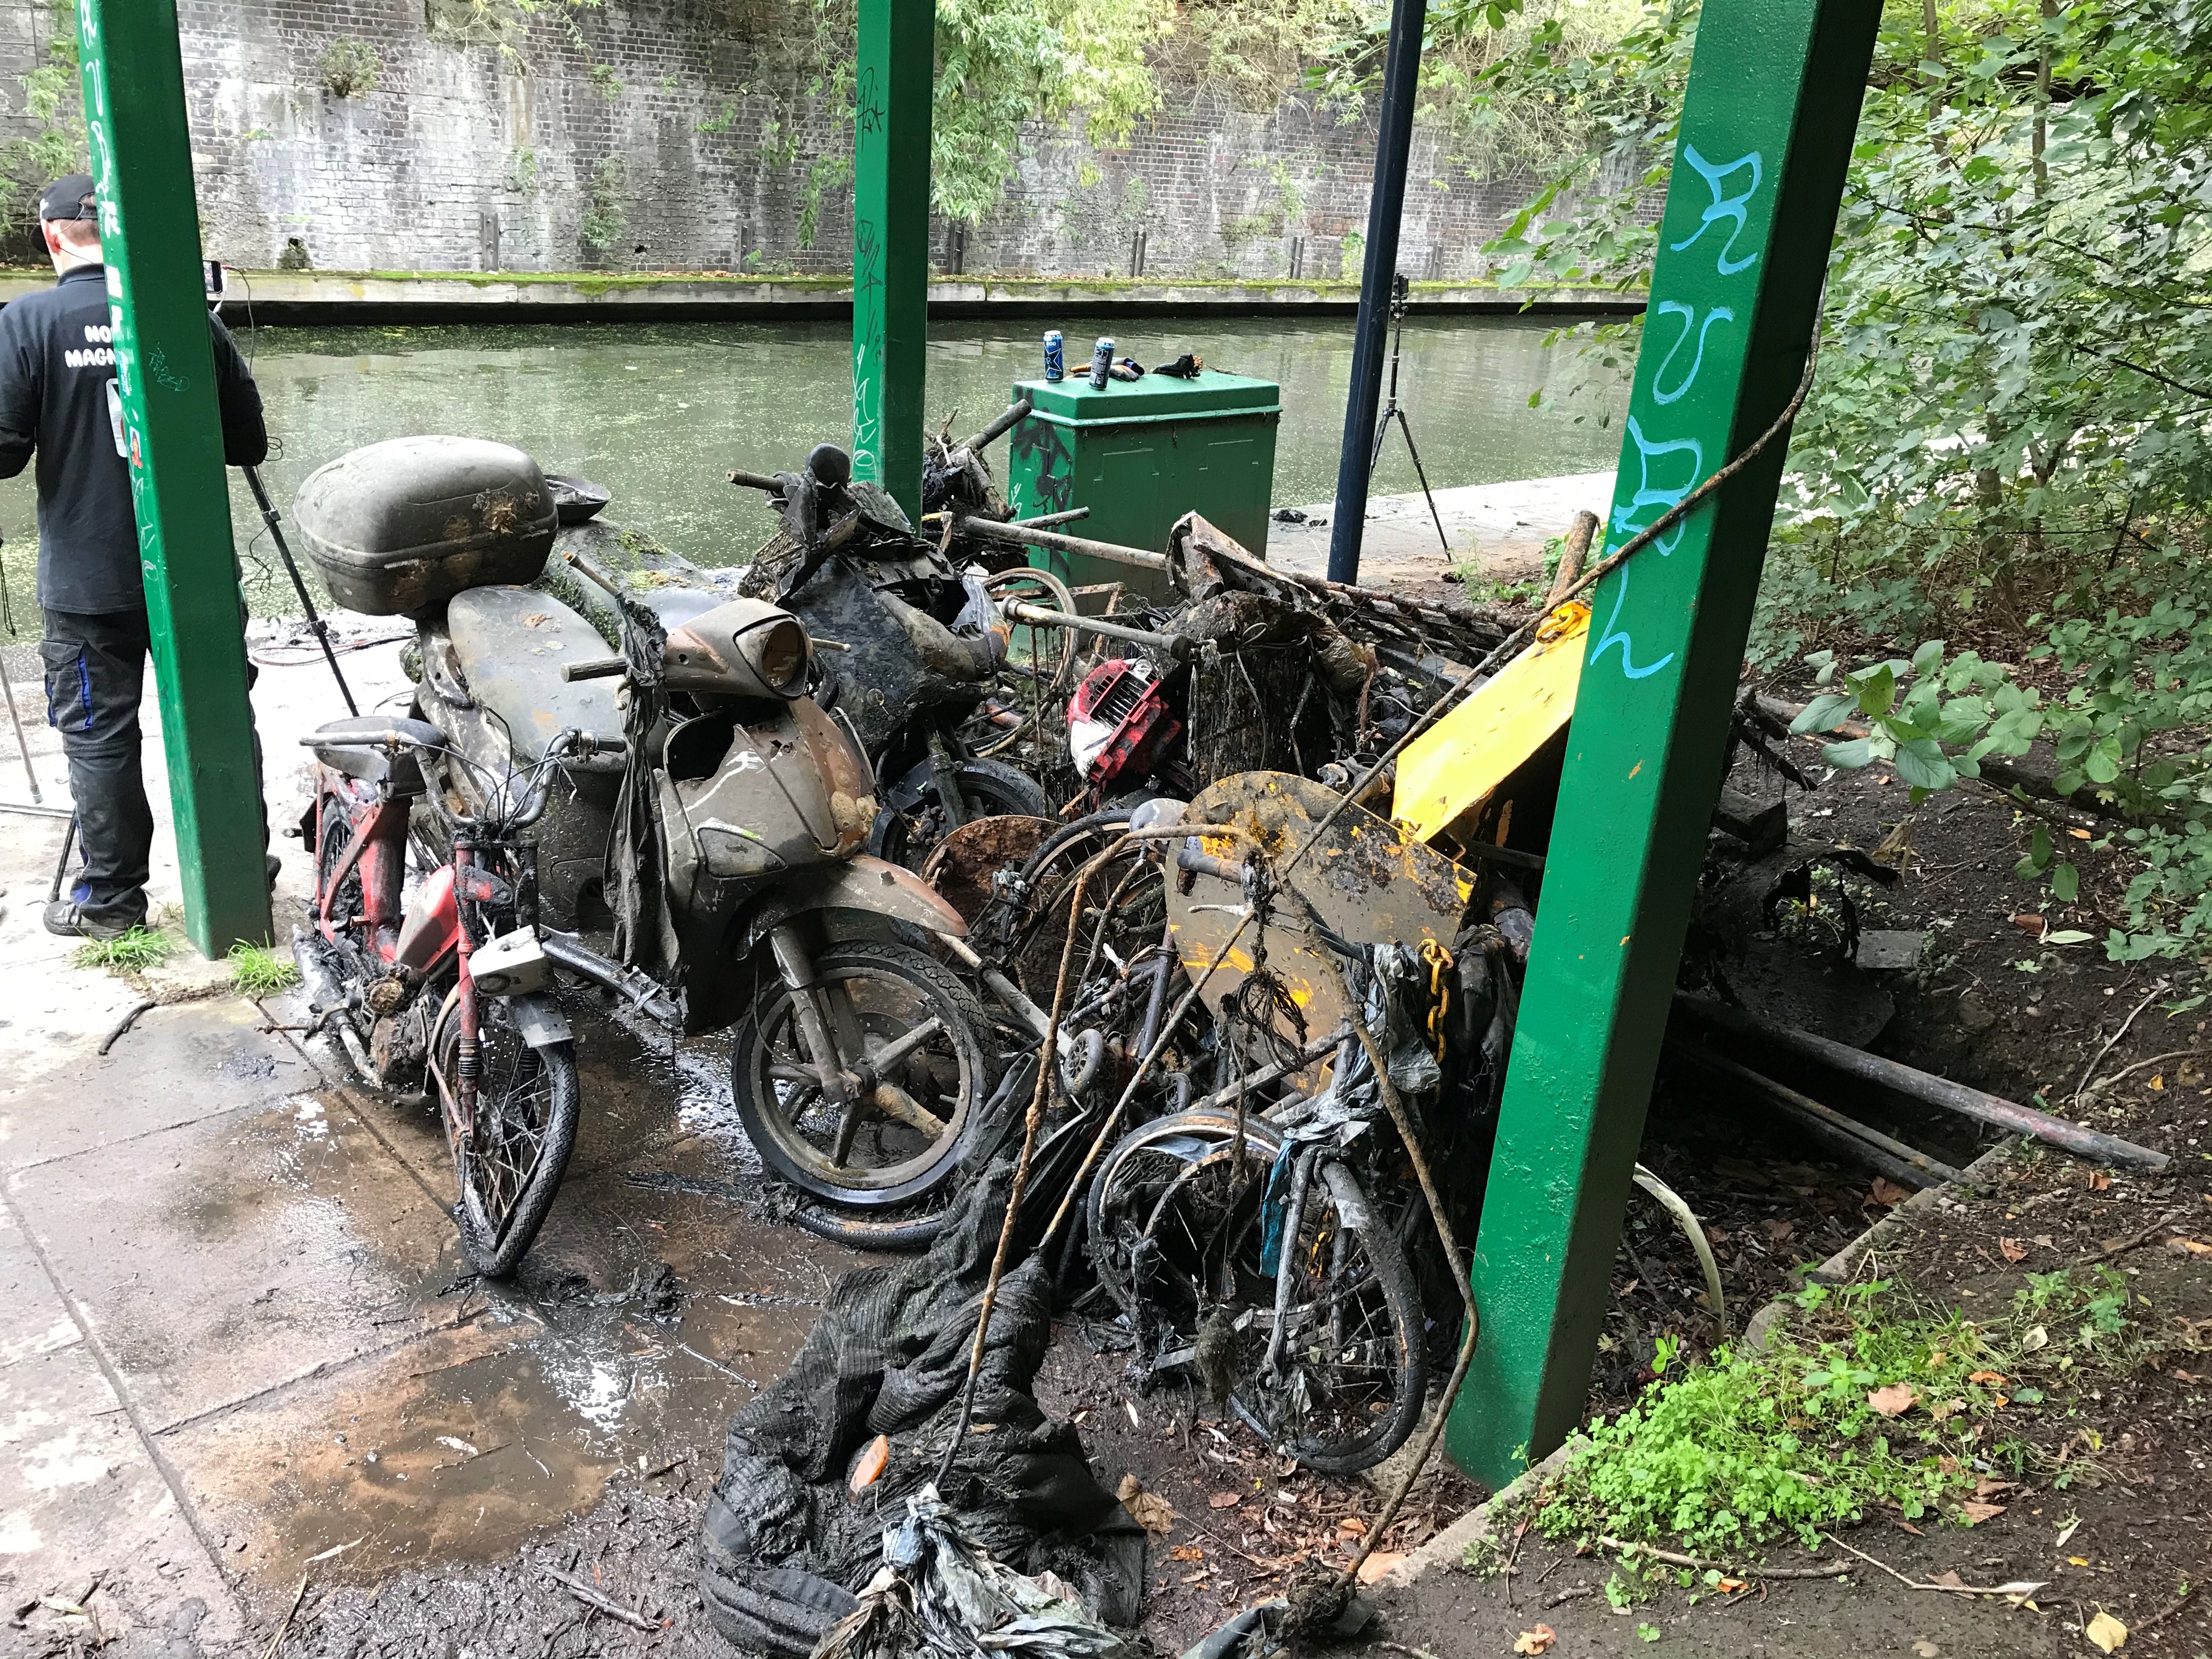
334,748
512,643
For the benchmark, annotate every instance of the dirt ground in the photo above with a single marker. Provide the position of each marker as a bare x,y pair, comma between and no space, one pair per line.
2128,1530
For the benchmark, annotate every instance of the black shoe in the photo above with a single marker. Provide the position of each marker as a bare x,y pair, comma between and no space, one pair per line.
275,866
70,919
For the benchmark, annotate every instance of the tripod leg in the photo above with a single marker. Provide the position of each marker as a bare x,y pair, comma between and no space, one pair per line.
316,625
61,864
1418,472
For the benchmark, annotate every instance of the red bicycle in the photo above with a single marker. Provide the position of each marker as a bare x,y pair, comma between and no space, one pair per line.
440,986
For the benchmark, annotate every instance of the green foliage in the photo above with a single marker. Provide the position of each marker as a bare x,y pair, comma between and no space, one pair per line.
522,171
53,97
2008,434
1746,1450
258,971
606,216
132,952
348,68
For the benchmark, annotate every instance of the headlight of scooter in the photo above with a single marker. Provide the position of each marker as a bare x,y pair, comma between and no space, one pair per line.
743,649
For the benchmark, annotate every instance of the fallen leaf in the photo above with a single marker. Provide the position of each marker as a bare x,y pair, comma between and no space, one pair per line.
2191,1246
1378,1563
1984,1377
1353,1526
1224,1500
1894,1401
1888,1194
869,1467
1777,1230
1729,1586
2107,1632
1949,1579
1976,1513
1148,1510
2077,1560
2100,1180
1907,1526
2068,1530
1538,1640
2012,1250
2028,922
1989,1486
1926,1648
1186,1552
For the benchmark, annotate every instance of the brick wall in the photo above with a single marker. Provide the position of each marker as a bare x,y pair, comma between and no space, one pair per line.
486,154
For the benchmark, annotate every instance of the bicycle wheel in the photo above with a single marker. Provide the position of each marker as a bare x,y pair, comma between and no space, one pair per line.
510,1164
1167,1213
903,1132
1333,1371
1029,691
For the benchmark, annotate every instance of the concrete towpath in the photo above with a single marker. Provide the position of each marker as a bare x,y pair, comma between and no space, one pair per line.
1499,528
238,1346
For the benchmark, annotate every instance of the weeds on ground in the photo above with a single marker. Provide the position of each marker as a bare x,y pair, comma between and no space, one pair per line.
131,953
256,971
1876,1403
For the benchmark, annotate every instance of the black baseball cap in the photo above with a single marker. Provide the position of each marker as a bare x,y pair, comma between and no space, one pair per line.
69,198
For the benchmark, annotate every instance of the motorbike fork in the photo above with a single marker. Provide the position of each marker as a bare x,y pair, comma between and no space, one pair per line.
946,767
467,1053
795,966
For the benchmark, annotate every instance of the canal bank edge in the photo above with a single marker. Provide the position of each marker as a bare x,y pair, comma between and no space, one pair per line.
401,296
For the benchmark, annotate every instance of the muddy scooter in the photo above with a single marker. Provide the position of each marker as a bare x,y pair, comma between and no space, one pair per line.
922,646
444,989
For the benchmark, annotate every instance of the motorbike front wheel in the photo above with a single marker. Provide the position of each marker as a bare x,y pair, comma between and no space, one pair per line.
517,1149
914,1094
988,789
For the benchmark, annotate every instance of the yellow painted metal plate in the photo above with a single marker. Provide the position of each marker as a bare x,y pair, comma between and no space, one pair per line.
1455,765
1365,881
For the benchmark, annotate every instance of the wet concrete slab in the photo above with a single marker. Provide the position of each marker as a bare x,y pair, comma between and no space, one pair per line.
176,1065
77,1484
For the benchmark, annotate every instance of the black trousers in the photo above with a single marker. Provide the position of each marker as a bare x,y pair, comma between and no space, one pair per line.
95,675
96,666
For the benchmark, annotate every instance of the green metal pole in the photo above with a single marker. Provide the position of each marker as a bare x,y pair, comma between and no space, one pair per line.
134,104
891,243
1766,131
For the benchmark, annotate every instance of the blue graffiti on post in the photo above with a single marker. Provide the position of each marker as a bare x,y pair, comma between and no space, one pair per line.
1653,496
1734,208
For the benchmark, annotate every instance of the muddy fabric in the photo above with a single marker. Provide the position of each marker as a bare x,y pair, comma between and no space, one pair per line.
786,1547
940,1592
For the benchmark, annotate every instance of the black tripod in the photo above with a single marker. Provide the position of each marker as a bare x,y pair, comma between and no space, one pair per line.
1392,412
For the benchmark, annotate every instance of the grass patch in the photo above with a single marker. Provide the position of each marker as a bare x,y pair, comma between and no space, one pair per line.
256,971
1873,1403
133,951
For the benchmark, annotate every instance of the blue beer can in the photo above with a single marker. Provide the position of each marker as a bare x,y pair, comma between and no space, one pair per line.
1055,361
1102,359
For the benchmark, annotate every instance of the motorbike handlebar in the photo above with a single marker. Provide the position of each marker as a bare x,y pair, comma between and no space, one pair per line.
601,668
745,480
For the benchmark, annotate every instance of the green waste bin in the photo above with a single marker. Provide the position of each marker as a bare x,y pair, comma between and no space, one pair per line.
1140,455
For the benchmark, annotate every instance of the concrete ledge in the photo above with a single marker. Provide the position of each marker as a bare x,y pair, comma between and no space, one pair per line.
386,296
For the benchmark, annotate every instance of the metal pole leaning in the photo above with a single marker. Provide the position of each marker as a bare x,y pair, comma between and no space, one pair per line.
319,627
1767,125
898,42
141,149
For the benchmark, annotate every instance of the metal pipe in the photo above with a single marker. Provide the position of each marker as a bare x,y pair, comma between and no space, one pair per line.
316,625
745,480
1883,1153
1180,646
1921,1085
998,427
1020,535
1043,520
1385,204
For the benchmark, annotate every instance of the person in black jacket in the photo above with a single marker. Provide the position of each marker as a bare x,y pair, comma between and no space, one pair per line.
57,402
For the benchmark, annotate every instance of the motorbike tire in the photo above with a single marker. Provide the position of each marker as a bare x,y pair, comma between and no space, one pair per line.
990,788
783,1145
543,1083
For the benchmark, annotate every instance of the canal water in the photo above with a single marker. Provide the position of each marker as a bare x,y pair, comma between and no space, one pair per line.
659,413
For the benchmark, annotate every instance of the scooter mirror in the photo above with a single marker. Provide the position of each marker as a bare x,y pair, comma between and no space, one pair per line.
741,648
831,466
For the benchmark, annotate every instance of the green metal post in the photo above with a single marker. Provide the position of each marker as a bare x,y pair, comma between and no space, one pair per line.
141,165
1766,131
891,243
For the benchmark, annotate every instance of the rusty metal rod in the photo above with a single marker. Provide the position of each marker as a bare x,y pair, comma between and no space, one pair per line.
745,480
1022,536
990,433
1046,520
1884,1154
1921,1085
1180,646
